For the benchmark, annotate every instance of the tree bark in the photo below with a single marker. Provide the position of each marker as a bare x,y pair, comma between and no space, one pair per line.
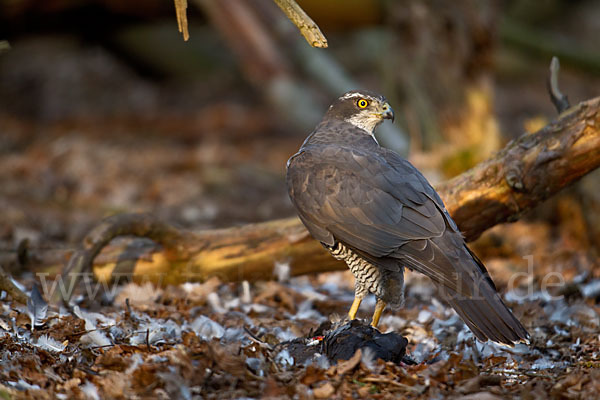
527,171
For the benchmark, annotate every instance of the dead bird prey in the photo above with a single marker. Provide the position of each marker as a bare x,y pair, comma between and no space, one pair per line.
374,210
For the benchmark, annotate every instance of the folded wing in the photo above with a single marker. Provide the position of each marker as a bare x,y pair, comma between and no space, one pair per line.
381,206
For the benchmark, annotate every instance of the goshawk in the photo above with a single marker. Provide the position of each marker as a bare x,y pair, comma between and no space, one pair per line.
374,210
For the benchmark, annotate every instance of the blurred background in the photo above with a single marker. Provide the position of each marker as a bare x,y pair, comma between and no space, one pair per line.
104,108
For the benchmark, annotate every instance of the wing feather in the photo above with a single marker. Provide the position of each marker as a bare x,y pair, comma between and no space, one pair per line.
349,197
383,208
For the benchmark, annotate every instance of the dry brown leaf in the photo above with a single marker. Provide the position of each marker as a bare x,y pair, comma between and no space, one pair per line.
226,358
476,383
70,384
364,391
113,360
112,384
312,375
481,396
145,375
324,391
344,367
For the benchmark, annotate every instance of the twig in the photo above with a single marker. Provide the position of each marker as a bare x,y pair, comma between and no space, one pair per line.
308,28
7,284
86,331
256,340
104,346
182,23
491,367
523,373
391,382
127,307
560,101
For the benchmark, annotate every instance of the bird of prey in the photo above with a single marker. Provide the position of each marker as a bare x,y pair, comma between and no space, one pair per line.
373,209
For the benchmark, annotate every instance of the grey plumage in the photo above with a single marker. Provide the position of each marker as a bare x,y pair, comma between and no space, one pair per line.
372,208
37,308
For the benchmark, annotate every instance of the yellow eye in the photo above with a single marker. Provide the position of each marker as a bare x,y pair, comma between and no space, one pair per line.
362,103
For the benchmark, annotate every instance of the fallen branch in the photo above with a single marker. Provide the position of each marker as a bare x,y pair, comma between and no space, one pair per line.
141,225
527,171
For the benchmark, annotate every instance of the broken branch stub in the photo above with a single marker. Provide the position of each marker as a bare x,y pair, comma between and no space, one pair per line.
560,101
182,22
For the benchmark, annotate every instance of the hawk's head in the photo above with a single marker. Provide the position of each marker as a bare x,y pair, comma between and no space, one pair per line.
361,108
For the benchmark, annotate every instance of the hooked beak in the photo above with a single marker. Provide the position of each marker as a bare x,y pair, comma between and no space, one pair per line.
387,113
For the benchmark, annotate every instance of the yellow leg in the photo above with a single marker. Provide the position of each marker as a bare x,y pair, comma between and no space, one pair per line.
379,307
354,308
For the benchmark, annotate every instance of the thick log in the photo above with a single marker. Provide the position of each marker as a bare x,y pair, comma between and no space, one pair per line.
527,171
250,252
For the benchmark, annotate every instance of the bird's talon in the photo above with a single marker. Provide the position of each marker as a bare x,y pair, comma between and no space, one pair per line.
379,307
354,308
